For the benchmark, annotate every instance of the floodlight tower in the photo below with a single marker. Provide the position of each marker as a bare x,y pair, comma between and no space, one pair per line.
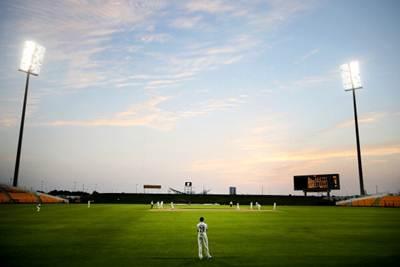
32,58
352,82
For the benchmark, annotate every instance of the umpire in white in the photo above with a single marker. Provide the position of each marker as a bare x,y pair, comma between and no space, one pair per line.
202,239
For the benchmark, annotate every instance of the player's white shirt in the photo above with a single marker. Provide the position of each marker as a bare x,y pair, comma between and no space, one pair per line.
202,228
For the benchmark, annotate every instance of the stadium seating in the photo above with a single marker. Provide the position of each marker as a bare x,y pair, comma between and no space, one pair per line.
23,197
390,201
9,194
4,198
372,201
44,198
368,202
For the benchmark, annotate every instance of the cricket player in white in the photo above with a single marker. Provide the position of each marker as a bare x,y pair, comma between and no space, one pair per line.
202,238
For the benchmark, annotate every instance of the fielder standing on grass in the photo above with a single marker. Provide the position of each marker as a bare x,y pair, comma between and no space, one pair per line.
202,238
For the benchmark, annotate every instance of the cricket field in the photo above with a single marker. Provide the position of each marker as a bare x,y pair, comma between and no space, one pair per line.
135,235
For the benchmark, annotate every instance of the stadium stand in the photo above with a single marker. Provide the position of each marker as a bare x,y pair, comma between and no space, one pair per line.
4,198
10,194
23,197
45,198
390,201
372,201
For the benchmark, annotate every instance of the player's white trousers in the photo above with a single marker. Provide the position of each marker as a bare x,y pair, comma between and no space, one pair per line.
202,240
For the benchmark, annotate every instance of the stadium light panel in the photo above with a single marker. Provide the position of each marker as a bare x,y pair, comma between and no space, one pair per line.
32,58
351,75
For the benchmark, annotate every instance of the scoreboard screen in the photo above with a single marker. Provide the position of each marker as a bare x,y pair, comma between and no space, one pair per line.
317,183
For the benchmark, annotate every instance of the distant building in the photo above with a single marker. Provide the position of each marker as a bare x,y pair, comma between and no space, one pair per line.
232,190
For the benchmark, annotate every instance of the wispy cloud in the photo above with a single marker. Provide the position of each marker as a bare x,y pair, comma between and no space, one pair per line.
81,34
208,6
10,108
279,165
6,122
272,14
369,118
8,116
213,105
186,22
307,56
384,150
309,81
199,58
155,38
144,114
151,114
264,152
77,35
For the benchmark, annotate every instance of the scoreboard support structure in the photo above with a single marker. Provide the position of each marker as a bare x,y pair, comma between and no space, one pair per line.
328,193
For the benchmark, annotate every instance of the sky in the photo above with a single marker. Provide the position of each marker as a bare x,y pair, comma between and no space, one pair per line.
220,93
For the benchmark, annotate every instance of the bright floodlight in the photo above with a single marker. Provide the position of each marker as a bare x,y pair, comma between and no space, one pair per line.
32,58
351,75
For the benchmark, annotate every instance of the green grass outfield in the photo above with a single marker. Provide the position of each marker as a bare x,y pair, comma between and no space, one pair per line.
134,235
